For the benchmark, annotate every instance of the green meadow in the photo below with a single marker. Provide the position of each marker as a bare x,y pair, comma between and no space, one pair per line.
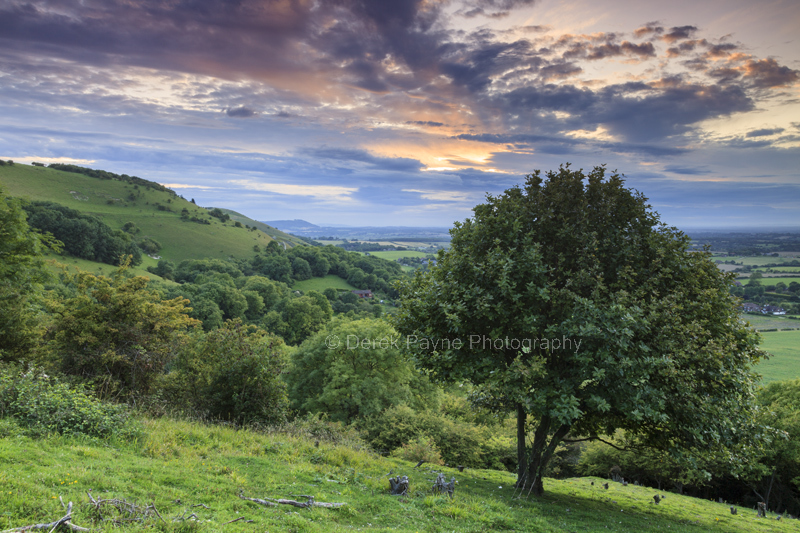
394,255
756,261
760,322
766,280
784,347
188,477
320,284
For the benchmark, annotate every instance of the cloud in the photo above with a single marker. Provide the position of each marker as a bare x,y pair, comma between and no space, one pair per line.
677,33
398,164
492,8
763,132
649,28
425,123
240,112
688,171
443,196
320,193
766,73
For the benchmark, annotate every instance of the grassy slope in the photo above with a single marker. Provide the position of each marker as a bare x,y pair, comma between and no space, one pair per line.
785,349
179,465
180,240
276,234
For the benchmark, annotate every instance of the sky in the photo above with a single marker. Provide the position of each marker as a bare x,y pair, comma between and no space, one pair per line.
408,112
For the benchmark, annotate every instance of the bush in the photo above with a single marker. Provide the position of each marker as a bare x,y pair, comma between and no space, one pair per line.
43,405
421,448
232,373
458,442
317,427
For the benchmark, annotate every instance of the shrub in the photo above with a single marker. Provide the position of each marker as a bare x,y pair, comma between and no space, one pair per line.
458,442
421,448
43,405
232,373
317,427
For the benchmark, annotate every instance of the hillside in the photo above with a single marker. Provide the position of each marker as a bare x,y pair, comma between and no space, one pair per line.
192,475
156,214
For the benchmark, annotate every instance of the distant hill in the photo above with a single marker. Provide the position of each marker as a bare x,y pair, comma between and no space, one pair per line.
306,229
293,226
183,229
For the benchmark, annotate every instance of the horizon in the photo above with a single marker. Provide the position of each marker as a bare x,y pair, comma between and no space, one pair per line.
408,113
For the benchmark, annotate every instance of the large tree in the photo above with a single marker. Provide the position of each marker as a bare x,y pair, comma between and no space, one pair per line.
568,301
22,272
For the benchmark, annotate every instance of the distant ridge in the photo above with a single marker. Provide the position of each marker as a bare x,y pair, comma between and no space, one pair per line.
291,225
306,229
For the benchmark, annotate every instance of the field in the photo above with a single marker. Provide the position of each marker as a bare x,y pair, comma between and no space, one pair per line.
192,475
320,284
760,322
785,348
394,255
757,260
772,280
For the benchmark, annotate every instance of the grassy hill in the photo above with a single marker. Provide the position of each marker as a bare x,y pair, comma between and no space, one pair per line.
156,213
192,475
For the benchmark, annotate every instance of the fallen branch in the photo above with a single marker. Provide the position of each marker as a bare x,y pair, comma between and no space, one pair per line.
126,511
63,521
237,519
269,502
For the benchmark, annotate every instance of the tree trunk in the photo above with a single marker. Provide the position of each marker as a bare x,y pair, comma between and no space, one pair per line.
769,489
522,455
540,454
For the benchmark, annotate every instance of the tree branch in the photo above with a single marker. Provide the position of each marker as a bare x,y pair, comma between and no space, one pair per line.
599,439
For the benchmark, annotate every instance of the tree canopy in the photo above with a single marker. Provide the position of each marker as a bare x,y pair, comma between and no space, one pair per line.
568,301
22,271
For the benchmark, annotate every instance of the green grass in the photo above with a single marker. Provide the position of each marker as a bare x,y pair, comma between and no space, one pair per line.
320,284
760,322
778,270
756,261
111,201
394,255
184,468
785,349
773,281
56,262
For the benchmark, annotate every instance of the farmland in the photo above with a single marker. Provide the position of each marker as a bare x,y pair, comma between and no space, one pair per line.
785,361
